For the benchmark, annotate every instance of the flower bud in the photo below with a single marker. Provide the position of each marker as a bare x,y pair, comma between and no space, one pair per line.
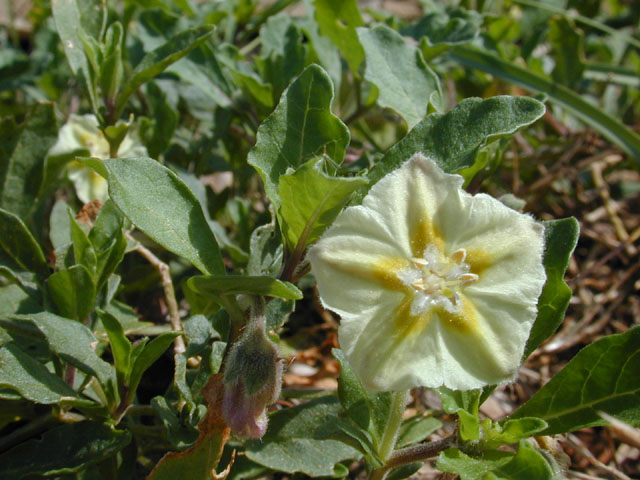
252,381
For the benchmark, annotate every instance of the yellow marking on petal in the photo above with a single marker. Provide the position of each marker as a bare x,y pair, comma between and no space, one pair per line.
385,271
424,233
464,321
408,325
478,260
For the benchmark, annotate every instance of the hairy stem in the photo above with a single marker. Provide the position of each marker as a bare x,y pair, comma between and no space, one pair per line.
390,435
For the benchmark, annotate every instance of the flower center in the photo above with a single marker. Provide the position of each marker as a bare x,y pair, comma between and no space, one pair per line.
436,280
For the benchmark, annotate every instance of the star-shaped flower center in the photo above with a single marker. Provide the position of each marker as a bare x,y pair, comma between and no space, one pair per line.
436,280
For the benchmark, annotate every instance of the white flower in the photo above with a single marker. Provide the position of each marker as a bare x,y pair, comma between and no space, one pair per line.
82,136
434,286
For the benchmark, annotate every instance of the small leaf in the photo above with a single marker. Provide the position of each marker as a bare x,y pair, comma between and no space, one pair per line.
337,20
32,380
311,200
120,345
469,468
64,449
108,241
561,237
603,376
82,249
568,52
527,464
266,251
293,442
512,431
73,291
453,139
147,357
163,207
416,429
454,400
405,83
468,425
368,410
156,61
22,152
237,284
301,127
447,27
18,243
74,343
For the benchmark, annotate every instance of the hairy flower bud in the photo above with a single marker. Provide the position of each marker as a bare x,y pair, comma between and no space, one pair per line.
252,381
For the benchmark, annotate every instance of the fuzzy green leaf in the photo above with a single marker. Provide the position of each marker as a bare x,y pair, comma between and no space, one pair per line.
22,152
156,61
18,243
311,200
337,20
452,139
32,380
369,410
603,376
73,342
73,291
294,440
405,83
561,237
237,284
64,449
163,207
301,127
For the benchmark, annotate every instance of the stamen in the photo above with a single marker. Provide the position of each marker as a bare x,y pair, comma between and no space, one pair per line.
459,256
468,278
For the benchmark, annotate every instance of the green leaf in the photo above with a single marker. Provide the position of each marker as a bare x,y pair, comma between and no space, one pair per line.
405,83
293,442
603,376
108,241
512,431
416,429
452,139
236,284
468,425
64,449
337,20
31,379
82,248
283,52
74,343
568,52
311,200
120,345
561,237
22,152
156,61
147,357
165,120
69,24
453,460
301,127
527,464
368,410
454,400
592,115
18,243
266,251
73,291
163,207
446,27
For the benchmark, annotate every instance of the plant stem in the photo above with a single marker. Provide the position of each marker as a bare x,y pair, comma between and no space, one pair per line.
390,435
169,293
420,452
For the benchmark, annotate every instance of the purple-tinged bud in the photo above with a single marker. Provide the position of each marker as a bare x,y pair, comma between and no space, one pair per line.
252,381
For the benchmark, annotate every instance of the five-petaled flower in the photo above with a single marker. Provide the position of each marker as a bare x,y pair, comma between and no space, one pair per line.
434,286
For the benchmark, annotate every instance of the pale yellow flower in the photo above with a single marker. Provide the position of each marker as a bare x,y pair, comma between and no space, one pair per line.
434,286
81,136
